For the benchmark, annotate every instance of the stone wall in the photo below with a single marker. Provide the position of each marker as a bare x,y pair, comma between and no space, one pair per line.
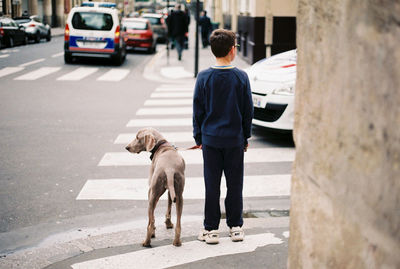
345,210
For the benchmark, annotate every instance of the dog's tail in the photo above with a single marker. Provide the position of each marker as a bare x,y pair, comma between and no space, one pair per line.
170,184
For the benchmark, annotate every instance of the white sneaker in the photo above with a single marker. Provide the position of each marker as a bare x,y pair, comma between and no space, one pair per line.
210,237
236,234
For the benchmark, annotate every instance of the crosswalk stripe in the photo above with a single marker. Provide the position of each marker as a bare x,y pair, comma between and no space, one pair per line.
9,70
169,256
78,74
160,122
4,55
172,137
165,111
137,189
41,72
57,55
171,94
168,102
174,89
114,75
32,62
257,155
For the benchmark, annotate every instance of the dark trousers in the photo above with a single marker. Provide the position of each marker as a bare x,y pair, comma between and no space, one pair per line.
229,161
204,38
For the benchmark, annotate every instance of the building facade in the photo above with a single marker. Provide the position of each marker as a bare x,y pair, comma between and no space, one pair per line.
263,27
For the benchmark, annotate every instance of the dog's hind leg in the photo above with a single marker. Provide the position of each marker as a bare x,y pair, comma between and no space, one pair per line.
179,206
168,222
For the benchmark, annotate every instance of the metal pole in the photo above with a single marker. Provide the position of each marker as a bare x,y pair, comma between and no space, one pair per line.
167,41
196,55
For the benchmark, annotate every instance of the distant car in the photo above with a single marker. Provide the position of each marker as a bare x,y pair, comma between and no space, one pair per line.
94,32
139,34
272,82
11,33
159,25
35,29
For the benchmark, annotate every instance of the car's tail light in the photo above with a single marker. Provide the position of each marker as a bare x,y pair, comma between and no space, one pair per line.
1,31
117,34
146,35
31,25
66,33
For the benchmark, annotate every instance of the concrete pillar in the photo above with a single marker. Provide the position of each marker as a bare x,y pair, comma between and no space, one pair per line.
47,11
33,7
234,14
345,197
60,13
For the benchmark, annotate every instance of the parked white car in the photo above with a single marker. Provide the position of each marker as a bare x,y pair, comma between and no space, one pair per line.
272,82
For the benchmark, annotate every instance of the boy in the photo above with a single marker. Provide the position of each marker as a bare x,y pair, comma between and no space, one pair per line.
222,114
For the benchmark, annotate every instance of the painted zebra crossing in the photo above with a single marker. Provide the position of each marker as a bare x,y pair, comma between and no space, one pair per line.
23,74
178,116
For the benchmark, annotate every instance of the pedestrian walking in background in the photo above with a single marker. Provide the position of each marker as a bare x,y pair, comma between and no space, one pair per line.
222,115
205,24
178,27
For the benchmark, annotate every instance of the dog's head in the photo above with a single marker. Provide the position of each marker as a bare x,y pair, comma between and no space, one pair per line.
145,140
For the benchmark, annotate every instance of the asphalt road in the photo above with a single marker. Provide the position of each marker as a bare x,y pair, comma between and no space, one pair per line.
53,133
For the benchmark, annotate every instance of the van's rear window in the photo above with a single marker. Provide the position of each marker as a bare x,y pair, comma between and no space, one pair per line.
92,21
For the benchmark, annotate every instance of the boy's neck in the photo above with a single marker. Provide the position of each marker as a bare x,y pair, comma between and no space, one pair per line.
224,61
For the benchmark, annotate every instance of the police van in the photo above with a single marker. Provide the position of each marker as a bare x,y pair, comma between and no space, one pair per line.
94,30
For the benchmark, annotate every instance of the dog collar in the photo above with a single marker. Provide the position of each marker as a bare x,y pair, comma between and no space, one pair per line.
156,147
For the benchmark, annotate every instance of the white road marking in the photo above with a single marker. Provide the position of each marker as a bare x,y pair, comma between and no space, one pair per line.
286,234
165,111
4,56
171,94
172,137
78,74
32,62
160,122
9,70
177,88
114,75
256,155
176,72
137,189
168,102
168,256
41,72
57,54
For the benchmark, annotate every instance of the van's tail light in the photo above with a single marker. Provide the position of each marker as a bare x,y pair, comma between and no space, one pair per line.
1,31
66,33
117,35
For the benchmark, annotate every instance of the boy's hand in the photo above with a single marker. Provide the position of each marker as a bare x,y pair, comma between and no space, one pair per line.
246,147
196,147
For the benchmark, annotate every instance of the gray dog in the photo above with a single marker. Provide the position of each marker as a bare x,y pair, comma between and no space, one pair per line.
167,172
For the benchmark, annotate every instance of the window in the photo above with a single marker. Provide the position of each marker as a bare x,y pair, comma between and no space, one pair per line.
153,20
92,21
136,25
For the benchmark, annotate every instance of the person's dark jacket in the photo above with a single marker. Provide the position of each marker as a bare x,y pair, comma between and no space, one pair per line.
205,24
178,24
222,108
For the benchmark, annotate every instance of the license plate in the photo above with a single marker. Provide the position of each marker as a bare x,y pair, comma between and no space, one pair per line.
257,101
91,45
134,35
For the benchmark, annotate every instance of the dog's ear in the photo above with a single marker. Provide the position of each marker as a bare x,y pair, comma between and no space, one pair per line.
149,141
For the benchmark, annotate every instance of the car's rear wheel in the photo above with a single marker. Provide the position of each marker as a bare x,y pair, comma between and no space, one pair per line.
67,58
25,40
48,37
10,42
37,38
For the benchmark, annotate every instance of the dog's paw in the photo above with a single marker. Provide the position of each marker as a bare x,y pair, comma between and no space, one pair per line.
169,224
177,243
146,244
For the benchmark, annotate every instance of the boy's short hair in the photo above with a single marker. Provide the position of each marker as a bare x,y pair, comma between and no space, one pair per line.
221,42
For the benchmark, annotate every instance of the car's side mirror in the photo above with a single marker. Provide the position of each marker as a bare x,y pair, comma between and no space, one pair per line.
124,28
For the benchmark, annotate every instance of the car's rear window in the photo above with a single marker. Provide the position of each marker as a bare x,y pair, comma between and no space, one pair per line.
136,25
153,20
92,21
22,20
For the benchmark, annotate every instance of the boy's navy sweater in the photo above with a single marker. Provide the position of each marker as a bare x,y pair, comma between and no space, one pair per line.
222,108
